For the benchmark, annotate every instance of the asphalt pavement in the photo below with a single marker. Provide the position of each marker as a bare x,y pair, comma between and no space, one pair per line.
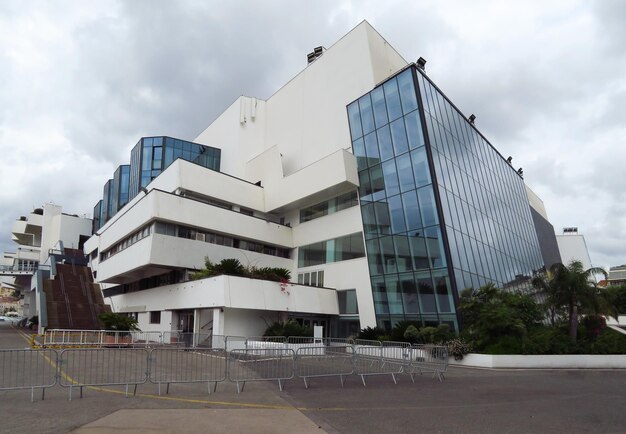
468,401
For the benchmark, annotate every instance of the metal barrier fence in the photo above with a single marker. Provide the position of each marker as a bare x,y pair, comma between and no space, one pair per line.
215,359
374,358
198,365
325,361
103,338
103,367
429,359
260,365
28,369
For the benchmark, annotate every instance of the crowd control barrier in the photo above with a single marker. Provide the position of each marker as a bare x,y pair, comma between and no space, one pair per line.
28,369
260,364
211,359
199,365
103,367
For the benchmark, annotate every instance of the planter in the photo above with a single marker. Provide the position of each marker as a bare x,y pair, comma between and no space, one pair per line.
551,361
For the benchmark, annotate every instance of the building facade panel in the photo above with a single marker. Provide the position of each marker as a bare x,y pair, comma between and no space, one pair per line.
488,222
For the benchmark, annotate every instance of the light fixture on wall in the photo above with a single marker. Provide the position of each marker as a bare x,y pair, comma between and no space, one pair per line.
472,118
421,63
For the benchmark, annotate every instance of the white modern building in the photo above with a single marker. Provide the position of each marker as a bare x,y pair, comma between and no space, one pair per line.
343,177
573,247
39,234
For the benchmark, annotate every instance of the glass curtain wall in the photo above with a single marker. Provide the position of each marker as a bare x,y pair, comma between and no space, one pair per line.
152,155
487,216
404,245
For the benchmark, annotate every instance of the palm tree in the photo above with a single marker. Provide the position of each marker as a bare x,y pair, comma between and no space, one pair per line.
573,288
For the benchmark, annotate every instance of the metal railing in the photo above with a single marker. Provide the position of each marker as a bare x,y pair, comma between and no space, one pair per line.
198,365
429,359
104,338
28,369
260,364
324,361
210,359
103,367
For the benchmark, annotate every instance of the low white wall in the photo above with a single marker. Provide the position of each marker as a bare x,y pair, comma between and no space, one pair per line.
571,361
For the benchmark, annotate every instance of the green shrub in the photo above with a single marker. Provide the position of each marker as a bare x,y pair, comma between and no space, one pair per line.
458,348
117,322
594,324
608,342
289,328
505,345
411,334
427,335
549,340
443,334
397,332
271,273
371,333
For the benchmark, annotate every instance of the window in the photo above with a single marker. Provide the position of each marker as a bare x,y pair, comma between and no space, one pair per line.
330,206
155,317
311,278
347,302
338,249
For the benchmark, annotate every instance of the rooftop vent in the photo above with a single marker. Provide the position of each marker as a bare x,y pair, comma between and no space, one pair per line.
472,118
570,230
312,56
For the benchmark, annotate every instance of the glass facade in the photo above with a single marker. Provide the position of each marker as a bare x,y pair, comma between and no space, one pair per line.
441,209
152,155
335,250
149,157
107,194
327,207
488,221
97,217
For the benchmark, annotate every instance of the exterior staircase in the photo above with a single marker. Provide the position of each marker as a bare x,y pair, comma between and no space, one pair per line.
73,300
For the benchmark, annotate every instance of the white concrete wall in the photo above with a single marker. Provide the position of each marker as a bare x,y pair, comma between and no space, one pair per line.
568,361
230,292
177,209
536,202
166,252
143,322
239,322
351,274
59,227
573,247
306,119
190,177
344,222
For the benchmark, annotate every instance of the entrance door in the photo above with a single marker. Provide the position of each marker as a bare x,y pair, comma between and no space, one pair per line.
185,325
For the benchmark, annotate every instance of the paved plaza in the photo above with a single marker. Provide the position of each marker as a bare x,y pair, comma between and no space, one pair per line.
470,400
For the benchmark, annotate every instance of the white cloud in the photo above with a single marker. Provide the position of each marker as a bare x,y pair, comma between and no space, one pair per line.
83,81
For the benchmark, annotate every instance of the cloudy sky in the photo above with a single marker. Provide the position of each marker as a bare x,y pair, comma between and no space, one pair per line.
82,81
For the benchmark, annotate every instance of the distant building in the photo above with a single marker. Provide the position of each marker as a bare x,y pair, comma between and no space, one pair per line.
572,247
617,275
47,241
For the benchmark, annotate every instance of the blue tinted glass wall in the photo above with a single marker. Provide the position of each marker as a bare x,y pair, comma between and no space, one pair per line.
404,243
148,158
152,155
487,216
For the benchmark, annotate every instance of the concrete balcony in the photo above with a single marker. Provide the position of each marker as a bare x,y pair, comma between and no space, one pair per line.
332,175
158,254
233,292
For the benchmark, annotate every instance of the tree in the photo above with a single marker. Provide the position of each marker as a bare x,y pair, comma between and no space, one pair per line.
116,322
571,289
491,315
